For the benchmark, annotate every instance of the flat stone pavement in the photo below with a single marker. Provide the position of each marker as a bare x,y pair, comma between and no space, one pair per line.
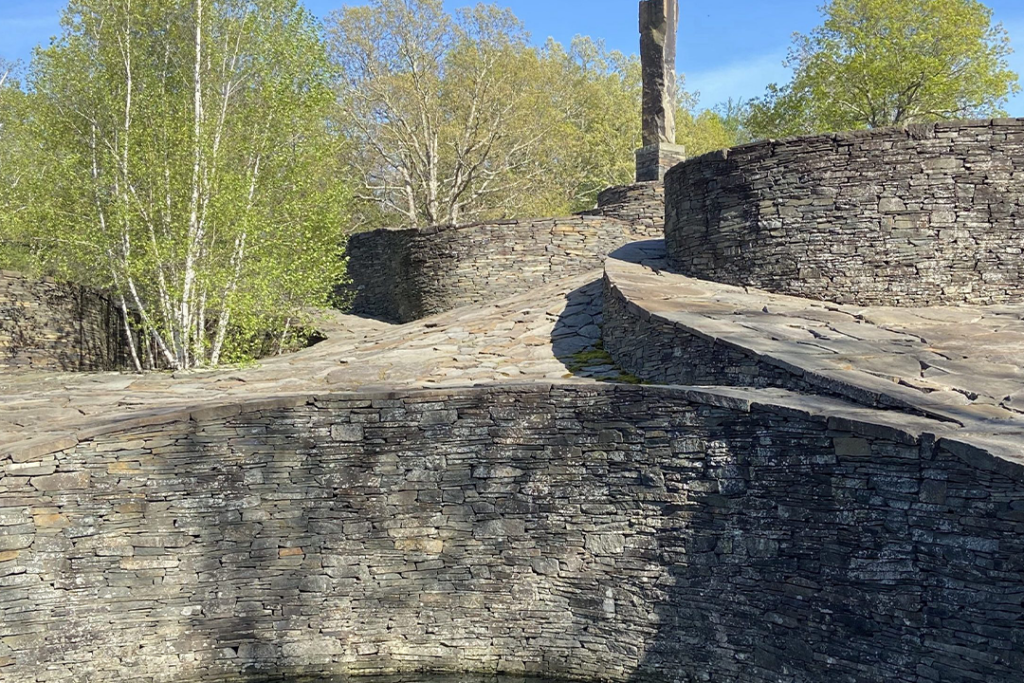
531,337
963,365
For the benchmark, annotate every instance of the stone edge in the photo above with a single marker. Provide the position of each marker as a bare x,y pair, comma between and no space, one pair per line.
916,131
582,219
993,456
836,414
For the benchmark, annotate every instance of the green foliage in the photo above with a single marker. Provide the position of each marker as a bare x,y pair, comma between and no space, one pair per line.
180,153
881,63
14,116
456,117
444,110
596,356
706,130
595,100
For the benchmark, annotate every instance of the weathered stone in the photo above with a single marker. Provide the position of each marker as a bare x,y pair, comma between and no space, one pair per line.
496,472
68,481
748,217
46,325
605,544
348,433
431,546
578,519
500,528
848,446
407,274
149,562
655,161
659,22
15,541
545,566
30,469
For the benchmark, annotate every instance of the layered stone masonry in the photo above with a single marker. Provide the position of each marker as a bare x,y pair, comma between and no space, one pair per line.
642,204
400,275
602,532
926,215
46,325
662,351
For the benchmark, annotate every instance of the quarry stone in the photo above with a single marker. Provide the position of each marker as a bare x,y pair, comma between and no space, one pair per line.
817,489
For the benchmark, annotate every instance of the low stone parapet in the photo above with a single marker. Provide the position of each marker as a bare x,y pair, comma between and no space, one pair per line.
596,532
400,275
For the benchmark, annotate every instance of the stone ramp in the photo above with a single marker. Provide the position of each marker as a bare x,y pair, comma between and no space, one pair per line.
959,365
528,337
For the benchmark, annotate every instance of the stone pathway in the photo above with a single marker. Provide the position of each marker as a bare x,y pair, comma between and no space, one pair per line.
963,365
531,337
959,365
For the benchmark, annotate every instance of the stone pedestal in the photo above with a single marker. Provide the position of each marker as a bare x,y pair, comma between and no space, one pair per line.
653,161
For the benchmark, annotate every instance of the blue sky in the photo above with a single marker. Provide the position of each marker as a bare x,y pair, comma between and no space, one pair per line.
731,48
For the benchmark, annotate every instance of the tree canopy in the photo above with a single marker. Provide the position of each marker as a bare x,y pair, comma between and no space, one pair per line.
457,117
882,63
178,153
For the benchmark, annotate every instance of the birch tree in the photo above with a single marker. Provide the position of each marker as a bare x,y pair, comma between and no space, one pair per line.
445,111
190,168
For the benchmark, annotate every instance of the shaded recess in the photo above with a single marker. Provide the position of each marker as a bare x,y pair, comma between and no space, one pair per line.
918,216
48,325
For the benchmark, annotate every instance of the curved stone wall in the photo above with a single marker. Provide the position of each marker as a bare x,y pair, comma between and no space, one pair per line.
605,532
46,325
927,215
641,203
407,274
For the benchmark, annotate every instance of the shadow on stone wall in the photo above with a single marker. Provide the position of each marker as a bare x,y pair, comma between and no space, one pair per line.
47,325
601,531
833,557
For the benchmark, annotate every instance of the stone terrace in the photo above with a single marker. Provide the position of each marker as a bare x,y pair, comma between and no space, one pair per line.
958,365
523,338
961,365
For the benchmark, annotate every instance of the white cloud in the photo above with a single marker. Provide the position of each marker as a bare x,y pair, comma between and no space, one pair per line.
738,80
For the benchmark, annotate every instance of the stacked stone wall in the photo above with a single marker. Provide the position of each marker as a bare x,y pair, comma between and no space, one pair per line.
660,350
46,325
927,215
603,532
642,204
407,274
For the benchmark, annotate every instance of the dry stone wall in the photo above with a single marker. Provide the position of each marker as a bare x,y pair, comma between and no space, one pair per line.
605,532
642,204
46,325
406,274
657,349
927,215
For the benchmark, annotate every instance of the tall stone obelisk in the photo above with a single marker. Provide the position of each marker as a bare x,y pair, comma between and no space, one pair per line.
659,24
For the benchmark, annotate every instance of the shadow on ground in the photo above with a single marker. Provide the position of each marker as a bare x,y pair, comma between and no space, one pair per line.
576,340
